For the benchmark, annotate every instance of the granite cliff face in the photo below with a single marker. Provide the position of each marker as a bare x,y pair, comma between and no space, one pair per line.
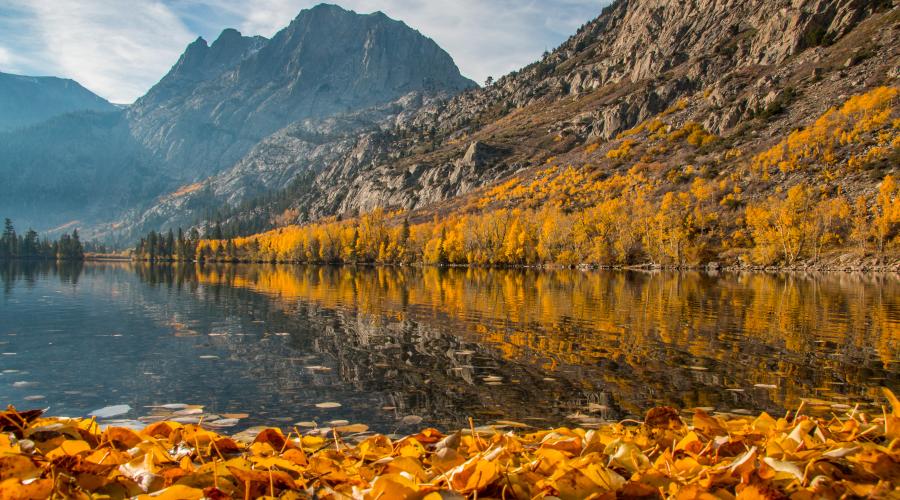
721,63
28,100
220,100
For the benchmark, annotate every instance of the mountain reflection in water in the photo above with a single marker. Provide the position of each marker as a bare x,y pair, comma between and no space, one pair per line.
539,347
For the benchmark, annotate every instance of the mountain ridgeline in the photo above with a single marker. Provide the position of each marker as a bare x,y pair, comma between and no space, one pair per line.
28,100
218,101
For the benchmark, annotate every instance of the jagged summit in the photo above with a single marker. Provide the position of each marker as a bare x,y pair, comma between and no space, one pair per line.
228,35
329,9
221,99
325,8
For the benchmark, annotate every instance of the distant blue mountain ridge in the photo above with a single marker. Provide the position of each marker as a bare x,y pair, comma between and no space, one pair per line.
29,100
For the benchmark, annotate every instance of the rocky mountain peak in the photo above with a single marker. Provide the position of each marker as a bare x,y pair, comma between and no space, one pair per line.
324,9
200,62
220,100
228,37
193,57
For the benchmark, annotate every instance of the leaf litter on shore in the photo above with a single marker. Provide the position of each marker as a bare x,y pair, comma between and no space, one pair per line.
667,455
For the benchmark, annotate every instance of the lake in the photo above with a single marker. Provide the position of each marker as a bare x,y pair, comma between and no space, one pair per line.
402,348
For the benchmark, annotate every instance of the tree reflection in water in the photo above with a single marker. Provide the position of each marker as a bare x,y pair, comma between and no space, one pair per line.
622,340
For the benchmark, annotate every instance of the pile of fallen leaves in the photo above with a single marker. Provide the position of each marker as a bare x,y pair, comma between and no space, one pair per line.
708,457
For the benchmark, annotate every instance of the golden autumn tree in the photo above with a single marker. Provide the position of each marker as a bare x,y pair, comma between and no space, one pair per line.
886,217
668,234
780,226
515,242
860,228
829,220
555,239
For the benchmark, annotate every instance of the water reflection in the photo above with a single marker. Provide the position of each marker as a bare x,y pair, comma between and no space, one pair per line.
495,344
30,271
643,338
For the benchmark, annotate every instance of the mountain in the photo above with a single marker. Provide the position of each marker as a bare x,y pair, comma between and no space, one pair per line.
216,104
75,169
715,83
219,101
27,100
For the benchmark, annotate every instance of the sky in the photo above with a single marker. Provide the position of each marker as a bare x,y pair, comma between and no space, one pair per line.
120,48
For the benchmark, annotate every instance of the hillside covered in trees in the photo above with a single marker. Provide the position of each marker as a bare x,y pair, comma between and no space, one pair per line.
568,215
737,134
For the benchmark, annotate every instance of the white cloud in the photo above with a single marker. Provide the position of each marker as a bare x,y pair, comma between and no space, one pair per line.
5,57
117,49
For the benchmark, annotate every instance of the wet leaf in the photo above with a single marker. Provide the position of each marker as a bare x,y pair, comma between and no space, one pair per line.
663,417
785,467
392,486
70,447
13,489
474,475
17,466
12,420
177,492
352,429
121,438
411,420
892,399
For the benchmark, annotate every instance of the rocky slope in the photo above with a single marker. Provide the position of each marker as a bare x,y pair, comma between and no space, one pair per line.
28,100
748,71
282,164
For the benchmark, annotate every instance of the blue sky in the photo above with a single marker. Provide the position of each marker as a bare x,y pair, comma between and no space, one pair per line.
120,48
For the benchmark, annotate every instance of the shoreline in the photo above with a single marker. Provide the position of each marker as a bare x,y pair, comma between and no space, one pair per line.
890,268
107,258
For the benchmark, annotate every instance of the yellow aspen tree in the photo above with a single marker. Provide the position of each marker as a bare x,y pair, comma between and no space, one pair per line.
860,227
829,218
887,213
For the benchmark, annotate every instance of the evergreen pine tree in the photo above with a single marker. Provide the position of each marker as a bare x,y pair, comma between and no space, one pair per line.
30,245
8,241
77,250
170,245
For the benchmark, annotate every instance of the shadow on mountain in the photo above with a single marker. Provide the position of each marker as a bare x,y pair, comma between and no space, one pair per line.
82,168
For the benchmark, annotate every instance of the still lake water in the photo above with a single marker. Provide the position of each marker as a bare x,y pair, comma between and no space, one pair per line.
543,348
